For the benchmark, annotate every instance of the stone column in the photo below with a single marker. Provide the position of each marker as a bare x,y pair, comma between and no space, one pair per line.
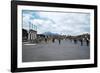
29,36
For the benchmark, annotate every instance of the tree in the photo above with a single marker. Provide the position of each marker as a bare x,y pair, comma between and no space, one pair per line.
24,34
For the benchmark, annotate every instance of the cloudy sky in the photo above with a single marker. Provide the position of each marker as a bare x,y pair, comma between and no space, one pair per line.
65,23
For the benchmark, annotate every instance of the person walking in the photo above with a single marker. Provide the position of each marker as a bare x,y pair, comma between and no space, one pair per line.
87,42
53,40
59,40
46,40
81,42
75,41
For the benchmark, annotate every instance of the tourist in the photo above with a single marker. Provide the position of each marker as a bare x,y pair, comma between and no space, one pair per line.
81,42
53,40
75,41
46,40
87,42
59,40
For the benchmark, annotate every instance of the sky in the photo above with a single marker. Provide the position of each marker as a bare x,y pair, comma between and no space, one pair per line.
64,23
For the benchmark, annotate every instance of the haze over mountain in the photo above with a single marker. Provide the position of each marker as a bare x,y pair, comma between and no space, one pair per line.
50,33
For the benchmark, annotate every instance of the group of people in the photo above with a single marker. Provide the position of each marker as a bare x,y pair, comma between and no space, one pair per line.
75,40
53,40
87,41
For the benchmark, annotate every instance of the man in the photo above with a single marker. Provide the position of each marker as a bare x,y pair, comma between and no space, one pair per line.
59,40
75,41
53,40
81,42
87,42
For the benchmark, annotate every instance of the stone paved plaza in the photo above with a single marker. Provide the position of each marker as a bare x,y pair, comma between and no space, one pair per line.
50,51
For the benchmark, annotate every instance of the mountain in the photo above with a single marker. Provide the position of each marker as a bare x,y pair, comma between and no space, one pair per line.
50,33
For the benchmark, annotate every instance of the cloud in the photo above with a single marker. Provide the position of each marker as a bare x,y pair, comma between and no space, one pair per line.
58,22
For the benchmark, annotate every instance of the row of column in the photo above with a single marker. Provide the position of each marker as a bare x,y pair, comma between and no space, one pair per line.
32,36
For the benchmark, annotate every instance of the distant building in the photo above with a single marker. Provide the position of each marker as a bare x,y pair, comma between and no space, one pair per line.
32,35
